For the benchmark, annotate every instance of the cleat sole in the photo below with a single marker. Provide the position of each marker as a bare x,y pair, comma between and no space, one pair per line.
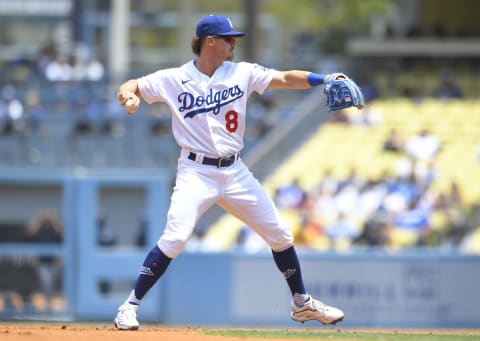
129,328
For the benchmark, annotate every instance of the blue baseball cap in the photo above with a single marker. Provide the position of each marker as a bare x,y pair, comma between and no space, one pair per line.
216,25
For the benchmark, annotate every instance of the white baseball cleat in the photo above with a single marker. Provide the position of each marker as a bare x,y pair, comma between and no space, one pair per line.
126,318
316,310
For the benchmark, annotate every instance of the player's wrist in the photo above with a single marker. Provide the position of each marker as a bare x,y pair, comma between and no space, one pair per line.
315,79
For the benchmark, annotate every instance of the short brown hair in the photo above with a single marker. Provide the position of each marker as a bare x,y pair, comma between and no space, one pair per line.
197,45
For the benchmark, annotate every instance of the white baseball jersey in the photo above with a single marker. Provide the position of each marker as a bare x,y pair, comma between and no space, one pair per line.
208,112
208,118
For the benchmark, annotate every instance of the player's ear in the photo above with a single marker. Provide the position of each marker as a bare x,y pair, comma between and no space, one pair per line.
210,40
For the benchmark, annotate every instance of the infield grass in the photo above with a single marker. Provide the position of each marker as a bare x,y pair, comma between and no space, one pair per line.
346,335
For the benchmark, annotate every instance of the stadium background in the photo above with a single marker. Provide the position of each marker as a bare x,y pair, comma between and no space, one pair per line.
69,155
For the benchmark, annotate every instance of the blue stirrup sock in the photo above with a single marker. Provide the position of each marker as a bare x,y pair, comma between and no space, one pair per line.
153,268
157,262
288,264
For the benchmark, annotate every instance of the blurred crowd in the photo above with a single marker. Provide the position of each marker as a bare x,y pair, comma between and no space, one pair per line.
397,210
73,87
394,211
58,99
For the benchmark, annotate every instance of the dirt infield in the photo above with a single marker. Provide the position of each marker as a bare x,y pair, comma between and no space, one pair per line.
102,332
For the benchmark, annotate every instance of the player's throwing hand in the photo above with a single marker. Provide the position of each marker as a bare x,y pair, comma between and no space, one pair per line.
129,101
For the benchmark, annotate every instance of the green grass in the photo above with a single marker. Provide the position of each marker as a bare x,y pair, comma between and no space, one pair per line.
342,335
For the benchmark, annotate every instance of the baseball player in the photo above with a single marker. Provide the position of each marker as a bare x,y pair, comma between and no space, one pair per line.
208,98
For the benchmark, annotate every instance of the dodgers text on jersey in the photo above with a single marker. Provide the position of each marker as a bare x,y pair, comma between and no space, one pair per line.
213,101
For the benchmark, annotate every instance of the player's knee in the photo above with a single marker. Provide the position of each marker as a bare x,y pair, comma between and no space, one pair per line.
281,243
280,246
171,248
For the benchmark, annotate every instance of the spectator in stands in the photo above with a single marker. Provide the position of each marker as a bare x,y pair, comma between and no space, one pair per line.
96,108
423,147
312,231
370,198
447,89
326,204
290,196
20,71
401,193
342,231
34,111
59,69
86,66
106,237
113,124
328,184
367,117
394,142
82,110
375,232
454,194
426,173
11,111
45,55
451,207
352,179
347,198
415,217
95,70
46,227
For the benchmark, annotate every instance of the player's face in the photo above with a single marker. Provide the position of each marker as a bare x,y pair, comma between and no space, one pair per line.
226,45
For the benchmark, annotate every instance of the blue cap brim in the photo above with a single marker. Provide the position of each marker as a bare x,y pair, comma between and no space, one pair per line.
232,34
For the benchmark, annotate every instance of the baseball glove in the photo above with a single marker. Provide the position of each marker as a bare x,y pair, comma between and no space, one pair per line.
342,92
